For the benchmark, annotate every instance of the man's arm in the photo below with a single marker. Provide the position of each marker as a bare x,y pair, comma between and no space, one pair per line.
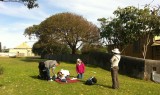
52,69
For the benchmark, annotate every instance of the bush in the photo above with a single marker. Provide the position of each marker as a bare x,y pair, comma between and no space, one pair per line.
87,48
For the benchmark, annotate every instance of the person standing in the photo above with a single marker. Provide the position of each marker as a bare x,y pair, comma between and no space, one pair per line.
50,65
114,67
80,68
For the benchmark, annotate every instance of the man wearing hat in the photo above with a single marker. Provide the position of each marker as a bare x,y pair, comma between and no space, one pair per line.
114,67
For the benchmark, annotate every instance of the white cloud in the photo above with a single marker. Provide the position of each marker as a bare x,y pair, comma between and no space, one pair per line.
22,12
94,9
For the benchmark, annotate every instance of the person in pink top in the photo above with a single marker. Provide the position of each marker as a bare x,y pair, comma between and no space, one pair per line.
80,68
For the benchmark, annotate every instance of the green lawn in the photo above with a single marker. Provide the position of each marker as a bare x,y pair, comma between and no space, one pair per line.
20,78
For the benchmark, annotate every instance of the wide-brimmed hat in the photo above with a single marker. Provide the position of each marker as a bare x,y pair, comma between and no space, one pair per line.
116,50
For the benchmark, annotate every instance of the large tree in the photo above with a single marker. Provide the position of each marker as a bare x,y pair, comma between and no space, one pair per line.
29,3
66,28
131,24
121,30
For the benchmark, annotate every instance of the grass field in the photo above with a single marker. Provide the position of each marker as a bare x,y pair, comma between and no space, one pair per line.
20,78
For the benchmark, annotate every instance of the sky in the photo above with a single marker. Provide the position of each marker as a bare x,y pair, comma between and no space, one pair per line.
15,17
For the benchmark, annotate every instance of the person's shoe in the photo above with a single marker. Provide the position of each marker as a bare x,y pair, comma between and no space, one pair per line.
50,80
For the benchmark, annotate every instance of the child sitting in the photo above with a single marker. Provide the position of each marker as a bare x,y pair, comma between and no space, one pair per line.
66,73
63,75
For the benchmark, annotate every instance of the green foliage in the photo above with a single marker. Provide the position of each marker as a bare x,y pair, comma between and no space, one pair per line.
32,31
88,48
123,27
30,3
20,78
41,48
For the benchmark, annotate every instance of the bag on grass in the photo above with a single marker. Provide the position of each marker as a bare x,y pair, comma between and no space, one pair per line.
91,81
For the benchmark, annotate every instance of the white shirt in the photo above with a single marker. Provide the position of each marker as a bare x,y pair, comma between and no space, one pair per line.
65,72
115,60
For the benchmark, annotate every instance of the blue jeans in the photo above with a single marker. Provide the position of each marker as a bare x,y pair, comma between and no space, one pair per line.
80,76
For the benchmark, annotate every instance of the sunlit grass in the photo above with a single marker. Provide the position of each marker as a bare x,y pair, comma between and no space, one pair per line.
20,78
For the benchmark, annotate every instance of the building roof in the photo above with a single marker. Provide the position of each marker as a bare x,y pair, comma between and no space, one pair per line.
155,44
157,38
23,45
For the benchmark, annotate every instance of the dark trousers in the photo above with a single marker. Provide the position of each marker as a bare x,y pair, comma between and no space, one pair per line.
48,73
114,74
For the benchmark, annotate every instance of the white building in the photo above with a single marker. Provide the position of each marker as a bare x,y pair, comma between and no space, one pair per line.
23,50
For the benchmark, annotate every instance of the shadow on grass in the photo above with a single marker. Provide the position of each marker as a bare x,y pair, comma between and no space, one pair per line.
1,85
34,77
82,81
106,86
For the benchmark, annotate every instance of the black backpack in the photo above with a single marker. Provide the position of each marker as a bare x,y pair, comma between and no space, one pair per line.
42,71
91,81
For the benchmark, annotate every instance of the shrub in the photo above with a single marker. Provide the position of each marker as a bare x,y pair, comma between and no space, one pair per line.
88,48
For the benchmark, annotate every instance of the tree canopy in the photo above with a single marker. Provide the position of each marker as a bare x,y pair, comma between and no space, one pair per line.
129,25
124,26
66,28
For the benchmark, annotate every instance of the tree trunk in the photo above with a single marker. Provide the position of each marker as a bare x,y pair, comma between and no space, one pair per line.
145,46
73,50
